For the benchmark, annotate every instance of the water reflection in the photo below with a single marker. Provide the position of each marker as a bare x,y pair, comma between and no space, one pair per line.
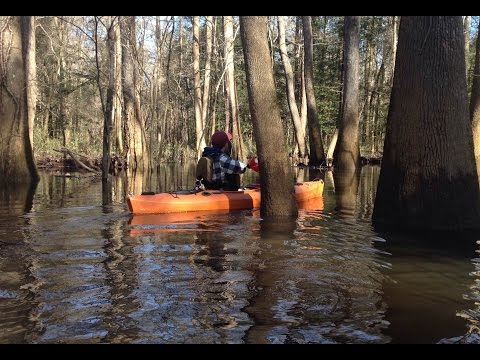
17,279
76,270
197,282
316,284
346,190
428,288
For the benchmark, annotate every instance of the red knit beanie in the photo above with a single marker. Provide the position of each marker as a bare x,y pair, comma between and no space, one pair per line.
220,138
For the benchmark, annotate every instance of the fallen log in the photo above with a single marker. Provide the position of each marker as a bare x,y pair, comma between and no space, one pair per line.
77,161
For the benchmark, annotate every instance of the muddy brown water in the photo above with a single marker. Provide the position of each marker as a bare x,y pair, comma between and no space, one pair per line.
75,271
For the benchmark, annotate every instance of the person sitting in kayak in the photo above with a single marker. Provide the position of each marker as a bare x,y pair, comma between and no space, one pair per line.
225,173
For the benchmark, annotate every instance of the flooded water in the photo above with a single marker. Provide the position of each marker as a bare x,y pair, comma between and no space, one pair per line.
75,271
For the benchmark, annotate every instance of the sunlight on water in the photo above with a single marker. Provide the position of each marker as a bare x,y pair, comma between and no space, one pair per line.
75,271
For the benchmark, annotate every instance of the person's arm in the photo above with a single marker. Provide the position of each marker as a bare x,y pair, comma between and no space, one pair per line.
232,166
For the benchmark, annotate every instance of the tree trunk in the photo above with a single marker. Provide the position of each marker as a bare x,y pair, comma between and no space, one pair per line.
347,152
17,100
117,91
276,176
206,79
232,123
109,105
290,80
28,50
475,102
428,178
135,144
200,139
317,154
466,34
331,147
394,44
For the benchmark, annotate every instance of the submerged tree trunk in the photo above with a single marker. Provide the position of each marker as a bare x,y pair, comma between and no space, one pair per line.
347,152
317,154
428,178
276,176
17,100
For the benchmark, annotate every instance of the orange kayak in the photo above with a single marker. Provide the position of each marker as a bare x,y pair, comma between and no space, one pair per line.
213,199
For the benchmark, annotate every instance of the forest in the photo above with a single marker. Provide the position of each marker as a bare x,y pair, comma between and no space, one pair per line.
138,91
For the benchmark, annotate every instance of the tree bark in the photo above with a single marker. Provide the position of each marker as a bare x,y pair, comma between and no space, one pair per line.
135,143
466,34
475,102
347,151
206,79
109,104
199,138
317,154
117,91
17,100
290,80
233,122
276,176
428,178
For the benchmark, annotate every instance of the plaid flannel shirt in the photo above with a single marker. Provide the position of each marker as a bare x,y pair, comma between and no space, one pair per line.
226,165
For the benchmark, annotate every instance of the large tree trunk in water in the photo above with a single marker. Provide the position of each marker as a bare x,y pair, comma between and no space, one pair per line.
289,77
135,144
475,102
347,152
17,100
317,154
428,179
276,176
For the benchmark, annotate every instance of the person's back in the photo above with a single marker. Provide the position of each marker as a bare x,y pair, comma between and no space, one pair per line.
225,170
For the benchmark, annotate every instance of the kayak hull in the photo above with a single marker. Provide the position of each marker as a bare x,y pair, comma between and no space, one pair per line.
164,203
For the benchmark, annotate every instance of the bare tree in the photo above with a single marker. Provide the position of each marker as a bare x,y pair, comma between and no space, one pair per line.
317,154
289,77
233,119
199,138
276,176
135,143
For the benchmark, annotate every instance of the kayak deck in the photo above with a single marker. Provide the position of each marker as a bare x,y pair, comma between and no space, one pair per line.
248,198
